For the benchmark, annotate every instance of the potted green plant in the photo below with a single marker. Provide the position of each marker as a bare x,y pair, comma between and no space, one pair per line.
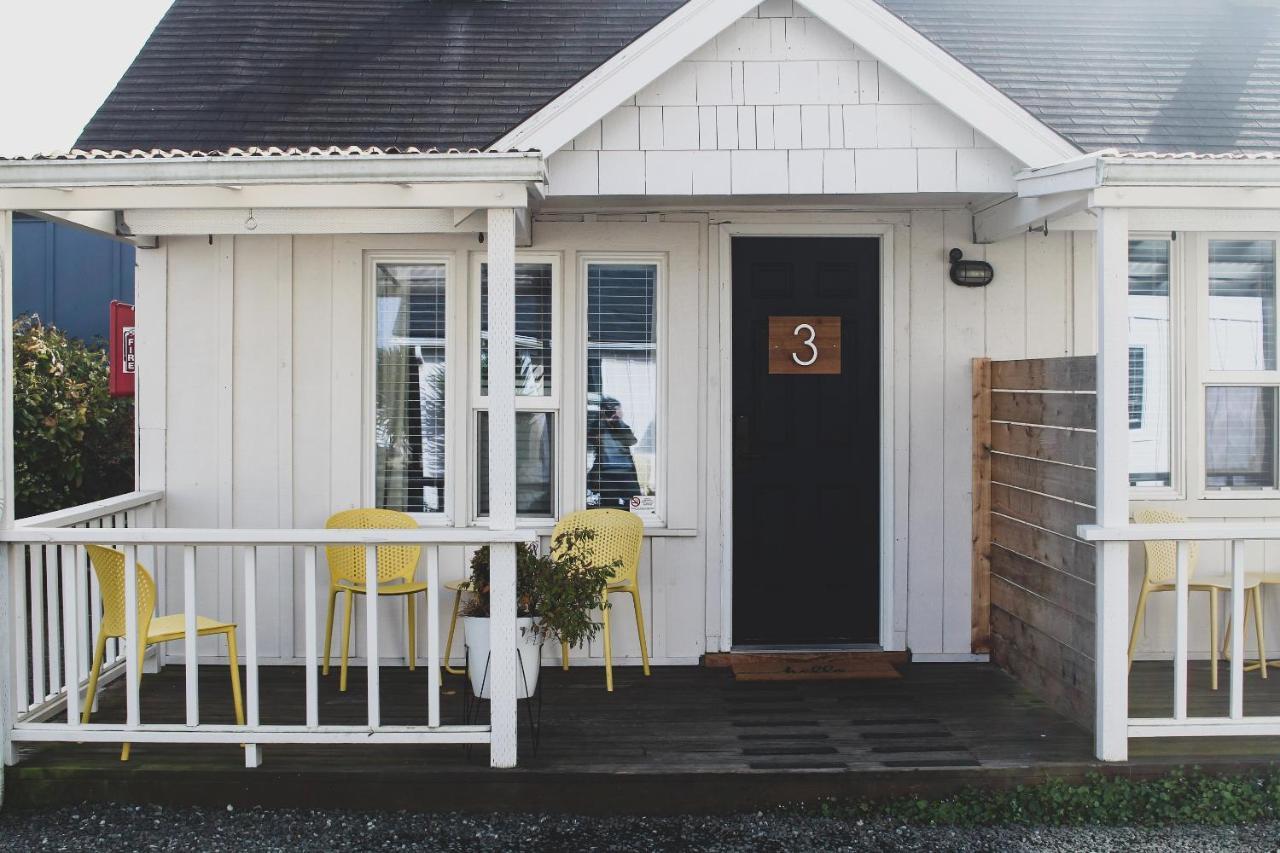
557,594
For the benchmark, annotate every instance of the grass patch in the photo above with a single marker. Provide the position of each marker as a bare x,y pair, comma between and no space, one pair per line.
1179,798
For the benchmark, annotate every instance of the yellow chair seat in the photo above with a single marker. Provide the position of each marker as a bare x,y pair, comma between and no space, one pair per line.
1222,583
174,627
385,589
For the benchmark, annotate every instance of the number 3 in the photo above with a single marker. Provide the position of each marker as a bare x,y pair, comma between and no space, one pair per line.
809,343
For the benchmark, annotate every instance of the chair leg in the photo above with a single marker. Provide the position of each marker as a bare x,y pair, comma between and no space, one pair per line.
644,645
1260,630
608,648
1138,616
99,651
127,747
233,663
412,644
346,642
1213,639
448,644
328,630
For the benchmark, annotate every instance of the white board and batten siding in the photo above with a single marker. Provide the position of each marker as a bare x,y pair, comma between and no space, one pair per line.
779,103
266,416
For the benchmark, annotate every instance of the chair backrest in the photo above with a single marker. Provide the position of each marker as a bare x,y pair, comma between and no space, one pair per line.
1162,556
108,565
618,535
395,562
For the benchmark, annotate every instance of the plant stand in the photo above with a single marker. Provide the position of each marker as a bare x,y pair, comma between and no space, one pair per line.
471,702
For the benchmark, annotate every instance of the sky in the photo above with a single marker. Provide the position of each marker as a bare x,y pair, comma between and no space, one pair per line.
58,61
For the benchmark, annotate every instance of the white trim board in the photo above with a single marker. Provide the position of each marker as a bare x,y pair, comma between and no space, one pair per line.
891,637
875,29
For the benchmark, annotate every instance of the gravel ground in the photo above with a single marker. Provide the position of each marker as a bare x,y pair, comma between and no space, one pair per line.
94,827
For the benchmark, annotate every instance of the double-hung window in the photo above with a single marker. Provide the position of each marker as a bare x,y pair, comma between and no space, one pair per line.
1239,371
537,387
622,383
410,389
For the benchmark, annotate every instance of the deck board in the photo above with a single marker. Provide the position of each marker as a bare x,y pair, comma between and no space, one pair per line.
686,737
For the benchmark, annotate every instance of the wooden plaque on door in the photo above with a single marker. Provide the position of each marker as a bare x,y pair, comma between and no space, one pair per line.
804,345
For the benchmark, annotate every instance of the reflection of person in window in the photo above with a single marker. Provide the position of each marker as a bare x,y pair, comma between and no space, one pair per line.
613,474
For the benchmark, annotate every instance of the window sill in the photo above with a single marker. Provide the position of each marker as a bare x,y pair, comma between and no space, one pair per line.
545,529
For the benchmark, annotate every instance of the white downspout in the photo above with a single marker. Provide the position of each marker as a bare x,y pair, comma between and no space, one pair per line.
7,713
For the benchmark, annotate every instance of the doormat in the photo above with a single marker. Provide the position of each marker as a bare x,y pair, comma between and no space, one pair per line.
815,666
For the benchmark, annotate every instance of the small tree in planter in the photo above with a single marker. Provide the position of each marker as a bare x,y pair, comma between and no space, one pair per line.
556,594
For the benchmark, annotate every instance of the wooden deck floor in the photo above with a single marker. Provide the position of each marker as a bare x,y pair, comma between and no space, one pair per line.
685,738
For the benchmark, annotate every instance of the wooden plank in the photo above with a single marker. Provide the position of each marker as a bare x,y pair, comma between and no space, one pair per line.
1069,592
1071,373
1070,447
1045,408
980,607
821,666
1044,615
1057,691
1062,517
1050,478
1059,552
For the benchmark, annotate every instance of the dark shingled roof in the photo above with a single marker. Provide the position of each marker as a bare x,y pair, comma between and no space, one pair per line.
1163,75
443,73
1155,75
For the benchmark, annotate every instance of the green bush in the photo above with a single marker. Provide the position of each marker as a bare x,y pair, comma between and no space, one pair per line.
73,442
1176,798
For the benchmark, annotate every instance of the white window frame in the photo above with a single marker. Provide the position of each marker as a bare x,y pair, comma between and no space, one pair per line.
1178,469
656,517
552,403
1202,377
455,357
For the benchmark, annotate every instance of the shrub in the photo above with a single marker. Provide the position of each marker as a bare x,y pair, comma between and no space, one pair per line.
73,442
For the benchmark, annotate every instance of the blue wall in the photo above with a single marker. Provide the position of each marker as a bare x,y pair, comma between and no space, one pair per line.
68,276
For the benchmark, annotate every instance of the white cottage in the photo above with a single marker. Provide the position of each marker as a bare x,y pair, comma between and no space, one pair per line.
492,262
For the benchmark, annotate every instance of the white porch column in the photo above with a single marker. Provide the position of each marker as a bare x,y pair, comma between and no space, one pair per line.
502,484
1111,736
7,712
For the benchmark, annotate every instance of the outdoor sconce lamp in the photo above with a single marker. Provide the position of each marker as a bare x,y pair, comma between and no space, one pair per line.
970,273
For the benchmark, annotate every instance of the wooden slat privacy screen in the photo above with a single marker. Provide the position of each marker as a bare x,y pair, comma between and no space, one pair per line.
1033,464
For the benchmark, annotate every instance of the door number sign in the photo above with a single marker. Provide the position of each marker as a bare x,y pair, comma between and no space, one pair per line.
804,345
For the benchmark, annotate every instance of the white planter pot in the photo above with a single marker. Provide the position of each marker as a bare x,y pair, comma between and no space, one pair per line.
476,631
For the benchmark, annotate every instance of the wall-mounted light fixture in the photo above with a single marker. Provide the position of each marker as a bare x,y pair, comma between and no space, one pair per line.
970,273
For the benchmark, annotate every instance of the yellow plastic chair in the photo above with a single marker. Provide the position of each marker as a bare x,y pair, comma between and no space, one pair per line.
396,567
618,536
1161,576
108,564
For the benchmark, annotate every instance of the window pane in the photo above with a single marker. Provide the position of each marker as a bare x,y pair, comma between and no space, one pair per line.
533,330
1150,365
1240,438
1242,305
535,463
622,385
409,421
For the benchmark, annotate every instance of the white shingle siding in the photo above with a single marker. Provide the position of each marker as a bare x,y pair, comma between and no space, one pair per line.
799,107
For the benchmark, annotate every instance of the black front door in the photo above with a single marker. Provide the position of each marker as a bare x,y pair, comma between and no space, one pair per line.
806,436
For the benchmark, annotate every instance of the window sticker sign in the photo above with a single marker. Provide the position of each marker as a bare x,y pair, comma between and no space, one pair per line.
122,350
644,503
804,345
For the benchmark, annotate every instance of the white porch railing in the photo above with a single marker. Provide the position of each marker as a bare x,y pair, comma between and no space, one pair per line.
77,621
38,583
1114,655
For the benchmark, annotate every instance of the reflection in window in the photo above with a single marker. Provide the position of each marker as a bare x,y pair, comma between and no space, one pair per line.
1240,437
1150,365
622,385
1242,305
535,464
410,396
533,330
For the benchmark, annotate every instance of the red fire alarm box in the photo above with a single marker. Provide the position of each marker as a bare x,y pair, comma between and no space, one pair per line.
121,350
